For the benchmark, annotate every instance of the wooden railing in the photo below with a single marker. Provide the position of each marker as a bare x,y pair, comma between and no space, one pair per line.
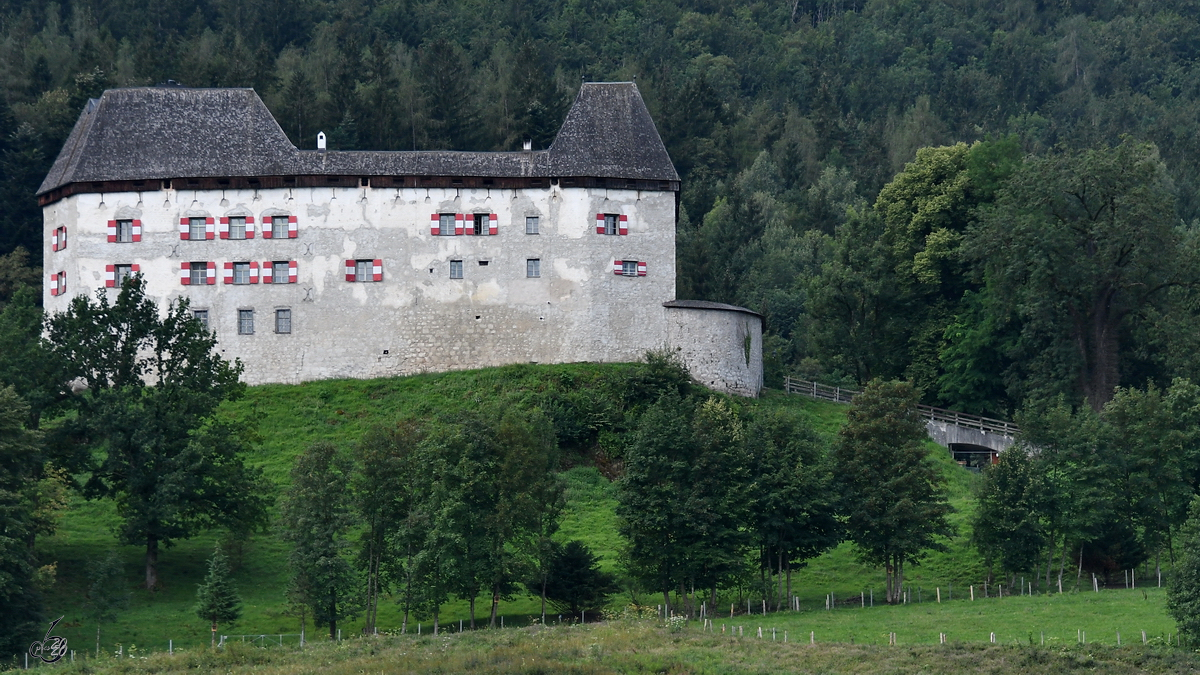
844,395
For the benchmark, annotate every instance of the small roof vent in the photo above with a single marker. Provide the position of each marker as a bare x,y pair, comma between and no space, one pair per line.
321,140
528,145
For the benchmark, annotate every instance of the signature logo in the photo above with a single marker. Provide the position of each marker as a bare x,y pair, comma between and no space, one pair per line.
51,647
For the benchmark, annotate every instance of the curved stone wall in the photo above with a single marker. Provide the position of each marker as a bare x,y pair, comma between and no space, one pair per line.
720,344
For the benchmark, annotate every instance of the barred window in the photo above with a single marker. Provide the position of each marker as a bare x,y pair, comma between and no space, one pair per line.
456,269
245,322
283,321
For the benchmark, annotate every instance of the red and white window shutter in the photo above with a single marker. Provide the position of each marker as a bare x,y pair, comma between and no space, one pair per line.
229,273
249,227
458,222
293,227
137,230
641,269
377,270
112,231
54,282
110,276
435,224
54,239
183,228
254,271
223,230
493,223
291,271
623,226
212,273
209,228
268,268
185,273
350,265
599,223
618,267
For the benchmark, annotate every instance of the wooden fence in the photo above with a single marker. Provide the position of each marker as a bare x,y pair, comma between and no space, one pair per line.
844,395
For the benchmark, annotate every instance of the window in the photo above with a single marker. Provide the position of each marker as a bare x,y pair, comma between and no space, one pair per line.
446,223
59,241
123,273
456,269
197,229
279,227
531,224
241,273
279,272
198,274
237,227
362,270
201,315
124,231
611,223
629,268
533,268
481,223
245,322
283,321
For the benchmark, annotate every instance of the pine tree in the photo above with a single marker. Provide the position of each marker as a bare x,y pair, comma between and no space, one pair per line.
217,598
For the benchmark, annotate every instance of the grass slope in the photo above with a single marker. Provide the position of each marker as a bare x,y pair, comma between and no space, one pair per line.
626,646
291,417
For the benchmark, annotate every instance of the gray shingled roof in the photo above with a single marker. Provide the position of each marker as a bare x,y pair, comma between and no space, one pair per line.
706,304
151,133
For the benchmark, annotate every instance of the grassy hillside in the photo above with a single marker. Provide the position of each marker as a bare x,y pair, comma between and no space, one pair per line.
631,646
290,417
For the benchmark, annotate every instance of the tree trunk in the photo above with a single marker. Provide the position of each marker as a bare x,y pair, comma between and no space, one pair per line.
1049,563
435,621
1098,344
151,562
666,603
543,599
779,594
471,605
333,615
495,606
1079,569
1062,562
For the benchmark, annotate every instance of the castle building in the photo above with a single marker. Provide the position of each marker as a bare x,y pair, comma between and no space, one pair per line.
314,264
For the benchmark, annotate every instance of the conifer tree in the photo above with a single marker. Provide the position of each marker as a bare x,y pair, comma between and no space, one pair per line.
217,599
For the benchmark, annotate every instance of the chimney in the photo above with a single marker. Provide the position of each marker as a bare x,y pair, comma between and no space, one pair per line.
321,140
528,145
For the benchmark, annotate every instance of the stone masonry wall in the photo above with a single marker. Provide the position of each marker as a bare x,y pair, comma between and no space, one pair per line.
721,347
416,319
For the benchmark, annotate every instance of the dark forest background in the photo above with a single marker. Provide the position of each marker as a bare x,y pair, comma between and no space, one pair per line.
792,124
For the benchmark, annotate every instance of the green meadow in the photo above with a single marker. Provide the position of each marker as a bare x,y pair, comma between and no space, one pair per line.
291,417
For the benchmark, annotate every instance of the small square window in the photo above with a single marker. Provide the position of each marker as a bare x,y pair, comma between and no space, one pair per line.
201,315
446,223
362,270
198,273
123,274
531,224
241,272
533,268
456,269
279,227
197,229
237,228
279,272
245,322
125,231
629,268
283,321
611,223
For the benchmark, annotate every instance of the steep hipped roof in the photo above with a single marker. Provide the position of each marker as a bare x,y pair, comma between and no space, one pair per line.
152,133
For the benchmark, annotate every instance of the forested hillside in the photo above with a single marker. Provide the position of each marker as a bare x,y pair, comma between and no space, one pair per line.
786,120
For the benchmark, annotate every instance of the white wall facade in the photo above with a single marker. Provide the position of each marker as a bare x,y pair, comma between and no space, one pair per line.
417,319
